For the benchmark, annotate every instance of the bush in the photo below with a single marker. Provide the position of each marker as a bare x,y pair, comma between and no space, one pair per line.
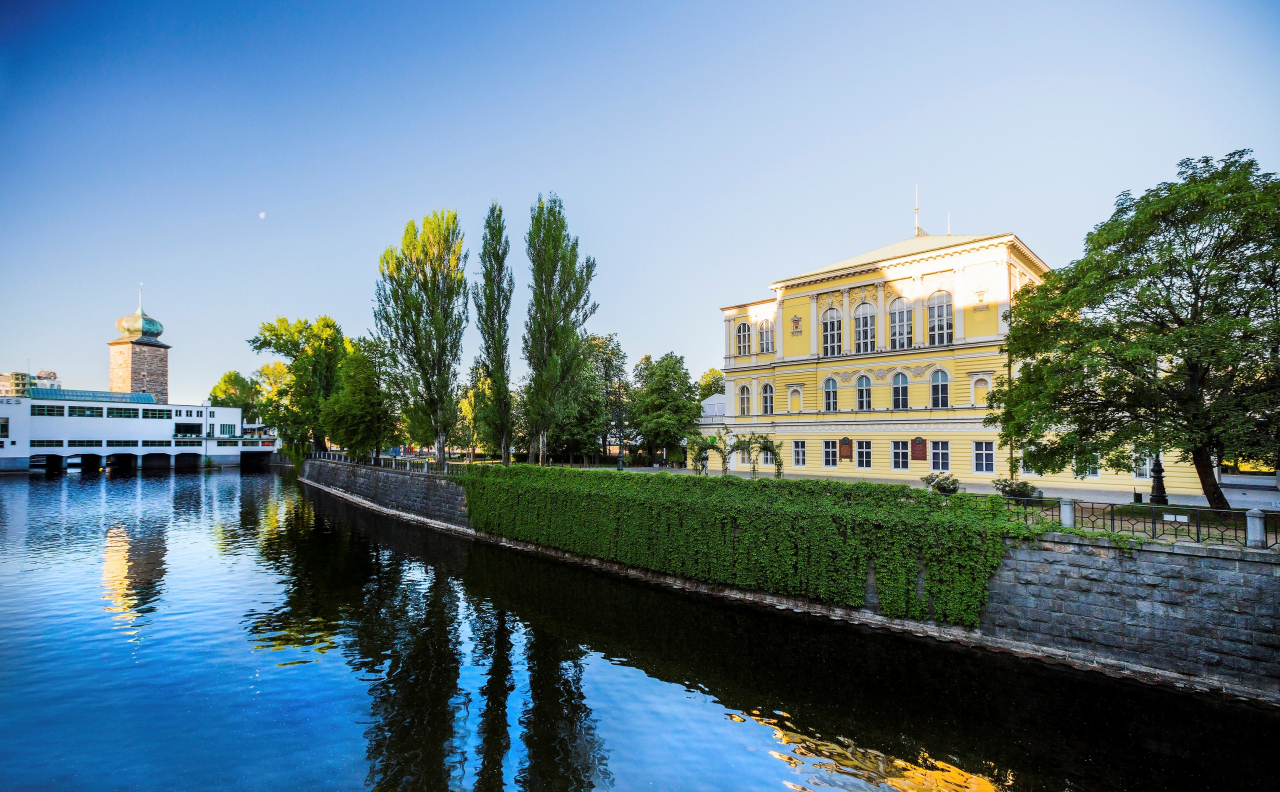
1016,489
804,538
942,483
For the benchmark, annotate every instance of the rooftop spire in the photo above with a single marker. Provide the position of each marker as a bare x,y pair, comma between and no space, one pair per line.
919,231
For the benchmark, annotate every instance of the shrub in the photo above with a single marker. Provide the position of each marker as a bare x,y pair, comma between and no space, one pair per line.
942,483
1016,489
804,538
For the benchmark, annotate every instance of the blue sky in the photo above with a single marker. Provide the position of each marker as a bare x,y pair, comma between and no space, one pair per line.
701,151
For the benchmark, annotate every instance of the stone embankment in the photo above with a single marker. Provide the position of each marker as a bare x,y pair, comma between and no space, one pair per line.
1185,615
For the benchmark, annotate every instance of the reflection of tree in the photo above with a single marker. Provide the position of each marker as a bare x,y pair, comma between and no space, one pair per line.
493,639
133,569
561,746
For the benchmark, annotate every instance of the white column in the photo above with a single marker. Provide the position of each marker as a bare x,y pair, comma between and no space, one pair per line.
1003,291
730,398
728,339
961,297
777,329
755,396
882,326
917,312
813,325
846,324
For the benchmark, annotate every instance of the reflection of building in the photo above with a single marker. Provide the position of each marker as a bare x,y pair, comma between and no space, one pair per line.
132,570
130,424
880,365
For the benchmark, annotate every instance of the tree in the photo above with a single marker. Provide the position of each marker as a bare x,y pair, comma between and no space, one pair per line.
361,415
561,304
313,352
421,312
1162,337
666,406
710,383
610,365
493,409
235,390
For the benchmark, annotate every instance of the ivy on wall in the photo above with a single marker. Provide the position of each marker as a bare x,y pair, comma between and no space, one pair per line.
802,538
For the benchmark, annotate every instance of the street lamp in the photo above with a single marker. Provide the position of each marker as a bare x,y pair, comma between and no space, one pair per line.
1158,495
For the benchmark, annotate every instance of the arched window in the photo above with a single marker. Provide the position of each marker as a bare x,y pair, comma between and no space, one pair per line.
900,392
744,400
939,318
829,402
766,399
744,338
900,324
766,336
864,393
864,328
939,388
831,341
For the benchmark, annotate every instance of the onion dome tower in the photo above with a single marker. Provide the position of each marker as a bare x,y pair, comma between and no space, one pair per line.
139,359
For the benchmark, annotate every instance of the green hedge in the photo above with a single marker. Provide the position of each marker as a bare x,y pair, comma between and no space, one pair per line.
805,538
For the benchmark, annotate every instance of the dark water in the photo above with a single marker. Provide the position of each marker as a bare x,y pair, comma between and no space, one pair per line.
219,630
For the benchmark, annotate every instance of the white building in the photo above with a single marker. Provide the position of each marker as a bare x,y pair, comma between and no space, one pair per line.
122,428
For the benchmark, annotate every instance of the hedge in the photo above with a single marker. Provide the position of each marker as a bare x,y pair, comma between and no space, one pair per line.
800,538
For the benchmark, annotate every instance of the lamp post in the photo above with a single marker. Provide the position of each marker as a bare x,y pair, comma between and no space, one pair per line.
1158,495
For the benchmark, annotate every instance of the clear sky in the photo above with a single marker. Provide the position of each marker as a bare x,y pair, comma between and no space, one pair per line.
701,151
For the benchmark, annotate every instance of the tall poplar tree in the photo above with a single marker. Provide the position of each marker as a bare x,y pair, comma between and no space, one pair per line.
492,296
421,312
561,303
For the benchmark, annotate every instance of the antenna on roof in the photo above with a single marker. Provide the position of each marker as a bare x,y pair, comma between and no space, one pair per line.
948,224
919,231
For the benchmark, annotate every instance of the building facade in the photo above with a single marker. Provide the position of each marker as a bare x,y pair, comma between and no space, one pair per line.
879,366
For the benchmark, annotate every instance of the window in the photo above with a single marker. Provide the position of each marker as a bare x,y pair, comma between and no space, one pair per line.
1026,467
766,336
165,414
766,458
901,455
830,453
900,392
188,413
766,399
864,328
744,338
1142,467
939,389
4,427
211,413
900,324
122,412
744,457
829,401
53,411
210,432
84,412
1091,470
196,443
864,393
227,430
227,443
199,413
122,444
831,340
797,453
46,444
984,457
939,319
744,400
187,429
155,443
87,443
941,455
864,454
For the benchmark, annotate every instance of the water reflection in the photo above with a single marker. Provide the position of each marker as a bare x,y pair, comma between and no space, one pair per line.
343,648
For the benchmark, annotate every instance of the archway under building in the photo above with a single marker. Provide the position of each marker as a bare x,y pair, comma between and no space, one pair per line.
255,460
50,462
121,462
186,461
156,461
88,463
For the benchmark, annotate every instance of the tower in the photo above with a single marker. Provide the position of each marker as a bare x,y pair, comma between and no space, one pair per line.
139,359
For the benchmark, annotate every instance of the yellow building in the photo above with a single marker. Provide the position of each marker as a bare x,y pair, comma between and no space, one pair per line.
878,366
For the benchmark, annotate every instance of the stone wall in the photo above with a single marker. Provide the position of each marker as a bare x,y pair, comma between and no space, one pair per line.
140,368
1186,615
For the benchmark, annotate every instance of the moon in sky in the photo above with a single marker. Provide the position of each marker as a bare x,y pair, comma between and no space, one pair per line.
263,215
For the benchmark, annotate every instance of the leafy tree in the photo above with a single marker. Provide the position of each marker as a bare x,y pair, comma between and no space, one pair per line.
609,363
493,407
1163,336
665,406
421,312
710,383
561,304
235,390
361,415
313,352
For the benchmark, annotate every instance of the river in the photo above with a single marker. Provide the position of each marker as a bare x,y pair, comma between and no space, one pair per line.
228,630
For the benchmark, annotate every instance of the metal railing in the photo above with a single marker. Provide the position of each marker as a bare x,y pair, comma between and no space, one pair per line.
408,464
1147,521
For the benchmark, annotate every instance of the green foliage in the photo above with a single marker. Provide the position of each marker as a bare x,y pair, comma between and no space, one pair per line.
494,419
943,483
421,312
361,416
1164,336
1011,488
664,408
710,383
236,390
805,538
295,399
553,345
